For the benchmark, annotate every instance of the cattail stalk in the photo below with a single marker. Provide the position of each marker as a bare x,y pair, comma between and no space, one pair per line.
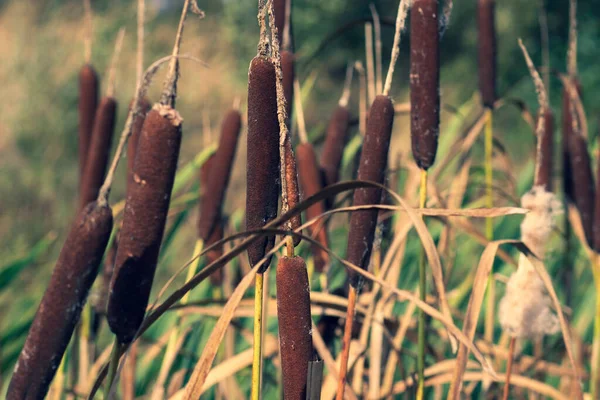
425,121
373,162
511,352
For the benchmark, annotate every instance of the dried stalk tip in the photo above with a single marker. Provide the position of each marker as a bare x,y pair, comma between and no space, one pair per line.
525,310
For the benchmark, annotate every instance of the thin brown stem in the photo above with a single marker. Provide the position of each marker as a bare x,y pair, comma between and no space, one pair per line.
378,61
346,343
511,354
169,93
141,14
89,32
112,70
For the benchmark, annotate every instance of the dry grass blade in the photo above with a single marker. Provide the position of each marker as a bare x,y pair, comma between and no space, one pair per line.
472,315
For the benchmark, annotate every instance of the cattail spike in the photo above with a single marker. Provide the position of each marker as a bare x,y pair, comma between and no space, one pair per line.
335,141
88,103
424,81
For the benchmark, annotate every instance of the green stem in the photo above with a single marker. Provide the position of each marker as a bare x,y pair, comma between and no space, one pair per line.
422,295
258,321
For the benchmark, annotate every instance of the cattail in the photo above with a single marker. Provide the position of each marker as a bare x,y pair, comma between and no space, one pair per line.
282,12
88,102
544,177
373,162
487,51
61,305
335,141
146,206
262,170
424,81
219,172
144,219
310,179
567,133
295,325
136,129
292,189
99,151
583,183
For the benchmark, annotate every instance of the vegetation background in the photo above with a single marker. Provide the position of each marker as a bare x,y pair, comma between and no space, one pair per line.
41,51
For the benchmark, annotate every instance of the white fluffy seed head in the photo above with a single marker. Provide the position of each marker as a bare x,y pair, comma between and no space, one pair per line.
525,308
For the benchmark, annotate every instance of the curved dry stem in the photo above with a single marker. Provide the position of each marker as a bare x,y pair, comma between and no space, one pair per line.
343,102
89,32
400,22
169,93
112,70
362,101
543,102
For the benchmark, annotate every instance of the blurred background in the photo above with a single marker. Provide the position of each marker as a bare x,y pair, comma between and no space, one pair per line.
41,52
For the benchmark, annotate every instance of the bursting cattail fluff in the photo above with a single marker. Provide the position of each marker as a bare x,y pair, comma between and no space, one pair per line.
424,81
262,169
295,325
487,51
61,305
525,310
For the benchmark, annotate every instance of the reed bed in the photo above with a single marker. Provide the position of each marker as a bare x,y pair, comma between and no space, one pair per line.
348,311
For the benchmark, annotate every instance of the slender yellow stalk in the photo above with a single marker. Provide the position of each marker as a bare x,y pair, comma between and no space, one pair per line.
112,368
193,270
59,381
257,347
422,295
489,223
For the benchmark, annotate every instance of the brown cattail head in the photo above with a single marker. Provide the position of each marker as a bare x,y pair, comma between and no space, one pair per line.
280,19
567,133
61,305
424,81
219,171
88,102
136,129
99,150
487,51
262,169
292,189
287,69
216,278
596,232
373,162
295,325
335,141
544,177
583,183
310,181
144,219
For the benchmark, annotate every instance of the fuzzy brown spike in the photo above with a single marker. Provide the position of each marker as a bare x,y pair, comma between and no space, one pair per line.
219,172
545,173
99,151
144,221
583,183
487,51
216,278
88,102
136,129
335,141
61,305
310,180
295,325
292,188
373,163
262,171
424,81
